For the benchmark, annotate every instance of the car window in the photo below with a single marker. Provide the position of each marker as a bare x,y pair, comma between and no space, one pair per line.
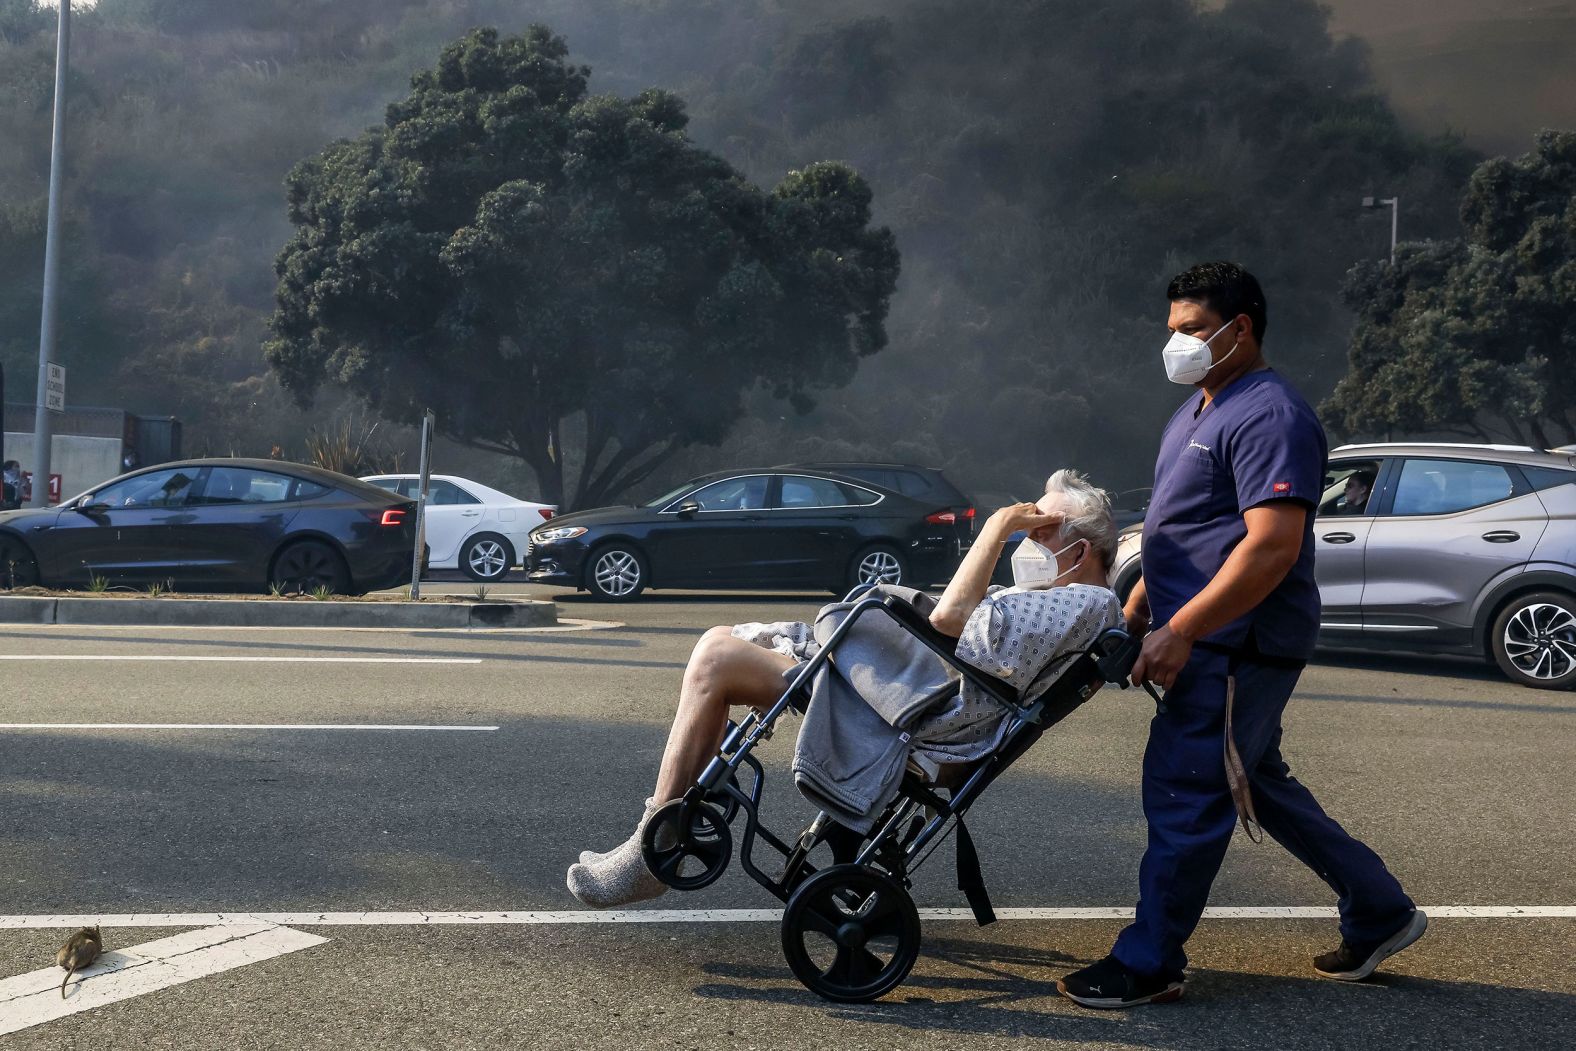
733,494
239,485
909,483
859,497
1348,488
441,493
168,488
1548,477
305,490
1442,487
391,484
802,491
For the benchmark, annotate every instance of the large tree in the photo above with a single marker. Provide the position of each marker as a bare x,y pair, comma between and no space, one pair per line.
527,259
1477,335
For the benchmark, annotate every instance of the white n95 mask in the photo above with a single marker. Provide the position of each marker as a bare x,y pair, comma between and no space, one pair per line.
1033,566
1187,357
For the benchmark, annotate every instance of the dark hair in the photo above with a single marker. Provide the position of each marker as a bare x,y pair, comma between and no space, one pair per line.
1365,477
1225,288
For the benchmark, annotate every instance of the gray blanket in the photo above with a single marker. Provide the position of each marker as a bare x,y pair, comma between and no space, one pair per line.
884,696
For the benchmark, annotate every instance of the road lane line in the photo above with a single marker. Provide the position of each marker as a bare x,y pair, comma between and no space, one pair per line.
120,974
162,659
564,624
583,916
239,726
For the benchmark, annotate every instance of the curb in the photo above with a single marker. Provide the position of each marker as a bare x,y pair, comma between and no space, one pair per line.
173,613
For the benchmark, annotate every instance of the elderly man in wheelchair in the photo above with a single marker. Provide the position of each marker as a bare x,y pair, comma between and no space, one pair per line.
904,697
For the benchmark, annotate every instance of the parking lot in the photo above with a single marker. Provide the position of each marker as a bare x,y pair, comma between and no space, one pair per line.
181,780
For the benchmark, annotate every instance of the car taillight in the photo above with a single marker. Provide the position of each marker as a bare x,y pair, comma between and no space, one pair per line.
545,512
392,518
941,518
968,512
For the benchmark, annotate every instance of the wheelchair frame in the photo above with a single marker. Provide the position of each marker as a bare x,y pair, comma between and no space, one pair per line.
864,894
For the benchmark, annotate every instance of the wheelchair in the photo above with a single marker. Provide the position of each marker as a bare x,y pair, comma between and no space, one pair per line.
850,929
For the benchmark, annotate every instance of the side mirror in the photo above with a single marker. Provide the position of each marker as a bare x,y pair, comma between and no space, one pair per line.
87,506
689,507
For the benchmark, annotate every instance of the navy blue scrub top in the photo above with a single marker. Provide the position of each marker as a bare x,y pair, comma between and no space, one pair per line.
1257,442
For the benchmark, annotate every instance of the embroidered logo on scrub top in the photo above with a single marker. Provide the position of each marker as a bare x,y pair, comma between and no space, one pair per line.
1198,445
1283,487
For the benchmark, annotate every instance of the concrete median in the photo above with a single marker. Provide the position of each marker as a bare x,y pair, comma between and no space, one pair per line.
274,613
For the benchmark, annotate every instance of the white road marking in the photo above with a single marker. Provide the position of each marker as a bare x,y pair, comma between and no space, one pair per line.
162,658
564,624
532,918
120,974
234,726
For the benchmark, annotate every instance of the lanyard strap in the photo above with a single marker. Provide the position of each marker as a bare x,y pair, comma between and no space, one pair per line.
1237,776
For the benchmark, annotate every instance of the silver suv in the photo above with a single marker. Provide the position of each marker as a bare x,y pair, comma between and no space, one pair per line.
1445,548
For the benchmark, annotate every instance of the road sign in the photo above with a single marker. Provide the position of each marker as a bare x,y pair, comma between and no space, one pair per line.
55,399
54,487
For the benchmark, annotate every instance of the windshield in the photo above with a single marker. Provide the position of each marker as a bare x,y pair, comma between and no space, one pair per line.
668,497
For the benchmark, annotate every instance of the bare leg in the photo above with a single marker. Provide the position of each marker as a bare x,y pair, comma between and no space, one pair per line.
722,672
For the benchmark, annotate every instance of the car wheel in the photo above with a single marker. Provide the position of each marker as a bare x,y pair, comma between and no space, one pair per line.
877,564
486,557
306,566
18,567
1534,640
617,573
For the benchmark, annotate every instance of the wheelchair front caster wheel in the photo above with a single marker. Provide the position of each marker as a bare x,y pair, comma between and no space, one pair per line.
687,845
851,933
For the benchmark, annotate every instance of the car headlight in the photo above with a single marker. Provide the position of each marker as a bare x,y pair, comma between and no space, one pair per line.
544,536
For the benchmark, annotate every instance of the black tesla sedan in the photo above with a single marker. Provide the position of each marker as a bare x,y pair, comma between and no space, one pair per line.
227,524
749,529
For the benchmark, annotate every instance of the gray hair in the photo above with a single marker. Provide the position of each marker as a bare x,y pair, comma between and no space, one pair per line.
1088,513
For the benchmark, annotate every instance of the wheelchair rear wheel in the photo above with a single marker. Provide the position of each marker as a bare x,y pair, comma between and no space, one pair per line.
687,845
851,933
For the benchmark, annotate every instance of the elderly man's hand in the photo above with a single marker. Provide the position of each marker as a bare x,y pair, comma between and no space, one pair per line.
1027,517
1162,659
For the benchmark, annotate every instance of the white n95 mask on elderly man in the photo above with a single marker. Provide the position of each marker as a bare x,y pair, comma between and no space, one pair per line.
1034,565
1187,357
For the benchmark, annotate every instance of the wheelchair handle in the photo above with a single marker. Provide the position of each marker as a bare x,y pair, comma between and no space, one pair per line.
1118,652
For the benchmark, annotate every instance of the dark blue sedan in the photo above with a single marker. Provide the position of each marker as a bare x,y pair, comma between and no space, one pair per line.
232,524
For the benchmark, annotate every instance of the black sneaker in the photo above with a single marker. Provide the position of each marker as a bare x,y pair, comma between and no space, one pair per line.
1353,963
1111,984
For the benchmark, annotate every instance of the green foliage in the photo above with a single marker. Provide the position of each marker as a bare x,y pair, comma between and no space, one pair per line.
1476,335
512,252
352,446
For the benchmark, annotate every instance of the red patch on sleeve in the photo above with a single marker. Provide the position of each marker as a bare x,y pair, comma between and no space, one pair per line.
1283,487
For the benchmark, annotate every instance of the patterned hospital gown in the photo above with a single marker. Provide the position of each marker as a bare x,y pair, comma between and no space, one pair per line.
1014,634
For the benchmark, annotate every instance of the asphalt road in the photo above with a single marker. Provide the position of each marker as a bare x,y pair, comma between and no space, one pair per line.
1462,781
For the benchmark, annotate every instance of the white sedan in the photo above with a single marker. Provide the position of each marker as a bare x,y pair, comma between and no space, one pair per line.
469,525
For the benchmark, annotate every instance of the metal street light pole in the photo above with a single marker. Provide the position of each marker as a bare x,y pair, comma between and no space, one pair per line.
42,431
1395,217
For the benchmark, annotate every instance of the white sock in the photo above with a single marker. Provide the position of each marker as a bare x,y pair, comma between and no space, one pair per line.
591,857
621,878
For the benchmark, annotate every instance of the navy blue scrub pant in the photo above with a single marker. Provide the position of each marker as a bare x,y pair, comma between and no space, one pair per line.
1191,815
